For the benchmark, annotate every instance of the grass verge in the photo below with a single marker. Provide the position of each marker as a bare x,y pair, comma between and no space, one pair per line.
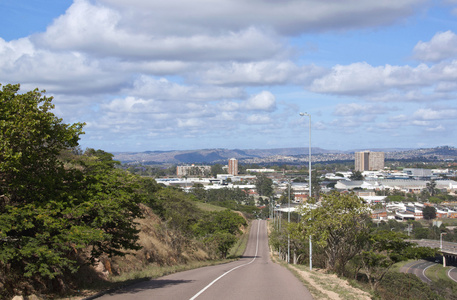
324,286
396,267
240,246
438,272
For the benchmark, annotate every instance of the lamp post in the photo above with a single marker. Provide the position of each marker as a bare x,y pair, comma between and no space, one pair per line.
441,240
288,233
310,189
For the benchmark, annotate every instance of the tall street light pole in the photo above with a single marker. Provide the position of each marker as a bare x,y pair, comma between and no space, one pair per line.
288,220
288,233
441,240
310,189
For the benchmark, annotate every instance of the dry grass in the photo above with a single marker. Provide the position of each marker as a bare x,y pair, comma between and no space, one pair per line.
163,252
325,286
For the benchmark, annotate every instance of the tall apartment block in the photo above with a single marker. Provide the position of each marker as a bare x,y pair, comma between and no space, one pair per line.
233,166
369,161
193,170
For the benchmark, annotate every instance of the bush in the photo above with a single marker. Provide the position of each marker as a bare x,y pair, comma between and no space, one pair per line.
396,286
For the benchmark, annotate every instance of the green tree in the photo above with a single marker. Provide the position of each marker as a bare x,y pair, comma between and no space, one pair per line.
220,230
223,241
108,200
399,286
431,187
384,248
284,199
54,203
429,212
395,198
337,226
35,237
177,209
217,169
356,175
315,185
222,221
264,185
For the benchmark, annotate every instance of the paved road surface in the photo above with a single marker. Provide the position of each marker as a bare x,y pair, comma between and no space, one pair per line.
418,268
452,273
254,276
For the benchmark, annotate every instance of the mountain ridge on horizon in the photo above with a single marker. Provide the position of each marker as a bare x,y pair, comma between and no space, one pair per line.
215,155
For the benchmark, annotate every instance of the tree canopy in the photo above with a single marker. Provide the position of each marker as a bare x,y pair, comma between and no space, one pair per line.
382,249
356,175
429,212
55,203
264,185
337,225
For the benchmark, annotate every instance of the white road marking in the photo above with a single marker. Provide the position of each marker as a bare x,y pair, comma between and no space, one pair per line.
449,274
214,281
423,272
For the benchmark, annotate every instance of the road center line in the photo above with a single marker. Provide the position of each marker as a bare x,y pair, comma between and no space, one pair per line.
214,281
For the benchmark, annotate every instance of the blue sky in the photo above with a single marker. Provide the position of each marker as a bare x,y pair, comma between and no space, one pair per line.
153,75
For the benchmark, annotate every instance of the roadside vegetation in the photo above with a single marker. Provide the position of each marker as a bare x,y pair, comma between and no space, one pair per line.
76,220
72,218
346,243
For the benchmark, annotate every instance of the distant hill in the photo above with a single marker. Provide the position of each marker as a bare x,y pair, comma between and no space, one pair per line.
210,155
281,155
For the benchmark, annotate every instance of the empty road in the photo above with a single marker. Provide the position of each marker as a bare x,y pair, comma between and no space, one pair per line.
418,268
254,276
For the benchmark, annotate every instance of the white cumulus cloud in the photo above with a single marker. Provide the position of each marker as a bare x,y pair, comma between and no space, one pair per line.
265,101
442,46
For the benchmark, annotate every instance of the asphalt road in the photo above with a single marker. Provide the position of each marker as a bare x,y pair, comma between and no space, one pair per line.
452,273
254,276
418,268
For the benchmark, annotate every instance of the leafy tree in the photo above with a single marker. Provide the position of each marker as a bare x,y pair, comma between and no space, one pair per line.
397,285
220,229
395,198
236,199
315,185
34,187
109,199
217,169
421,233
382,249
284,199
429,212
264,185
53,202
431,187
222,221
356,175
436,200
223,241
176,209
337,226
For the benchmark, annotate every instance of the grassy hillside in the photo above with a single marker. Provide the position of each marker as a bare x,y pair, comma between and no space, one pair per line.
164,251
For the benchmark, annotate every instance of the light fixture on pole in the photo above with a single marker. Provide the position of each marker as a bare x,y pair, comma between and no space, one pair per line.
288,233
310,189
441,240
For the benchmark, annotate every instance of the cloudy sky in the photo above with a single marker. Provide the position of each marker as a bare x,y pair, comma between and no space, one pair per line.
178,74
